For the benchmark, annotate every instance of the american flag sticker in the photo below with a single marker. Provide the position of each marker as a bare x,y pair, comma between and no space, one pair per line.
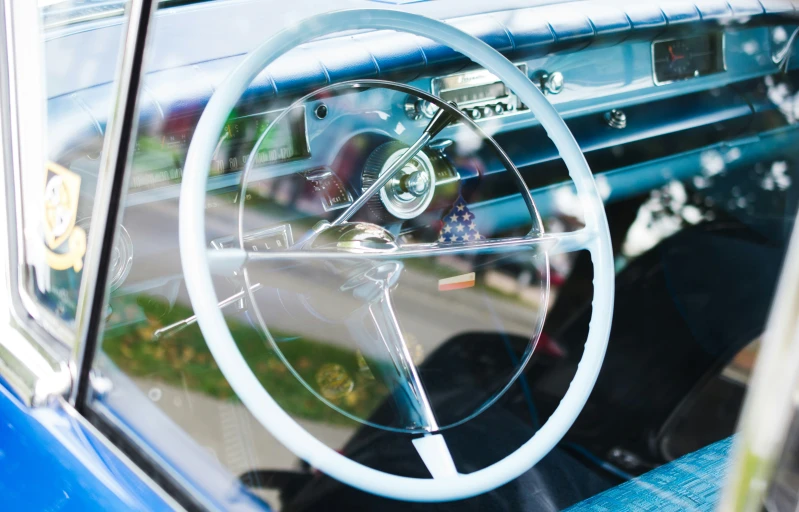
456,283
458,225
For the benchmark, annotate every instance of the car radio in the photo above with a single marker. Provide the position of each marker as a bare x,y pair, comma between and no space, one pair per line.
479,94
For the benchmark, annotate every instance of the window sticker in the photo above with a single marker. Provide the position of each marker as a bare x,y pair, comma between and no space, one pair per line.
57,245
65,242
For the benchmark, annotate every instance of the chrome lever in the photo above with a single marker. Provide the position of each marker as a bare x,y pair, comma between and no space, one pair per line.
186,322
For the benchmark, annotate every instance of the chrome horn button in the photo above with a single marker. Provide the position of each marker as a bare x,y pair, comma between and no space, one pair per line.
355,237
412,188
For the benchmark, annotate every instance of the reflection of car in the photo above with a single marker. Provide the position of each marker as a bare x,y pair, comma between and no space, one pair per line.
293,257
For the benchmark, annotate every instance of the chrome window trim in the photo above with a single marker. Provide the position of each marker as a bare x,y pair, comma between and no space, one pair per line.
34,366
35,344
112,182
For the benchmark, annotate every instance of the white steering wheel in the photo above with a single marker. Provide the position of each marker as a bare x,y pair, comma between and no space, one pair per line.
199,263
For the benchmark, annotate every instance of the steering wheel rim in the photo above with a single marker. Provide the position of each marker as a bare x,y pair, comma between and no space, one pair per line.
446,484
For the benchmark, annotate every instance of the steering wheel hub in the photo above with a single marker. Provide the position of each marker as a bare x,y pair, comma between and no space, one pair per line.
410,191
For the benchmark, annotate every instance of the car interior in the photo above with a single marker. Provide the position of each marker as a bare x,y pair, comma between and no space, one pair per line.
403,248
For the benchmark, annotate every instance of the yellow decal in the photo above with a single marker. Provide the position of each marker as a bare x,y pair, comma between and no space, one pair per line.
61,195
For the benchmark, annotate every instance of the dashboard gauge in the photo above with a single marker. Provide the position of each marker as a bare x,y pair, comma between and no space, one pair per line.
689,57
158,161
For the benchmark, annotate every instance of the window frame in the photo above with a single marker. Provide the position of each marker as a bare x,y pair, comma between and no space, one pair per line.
34,357
42,356
38,363
111,187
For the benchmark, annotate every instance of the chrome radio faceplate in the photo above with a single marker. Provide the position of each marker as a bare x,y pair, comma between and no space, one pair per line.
479,94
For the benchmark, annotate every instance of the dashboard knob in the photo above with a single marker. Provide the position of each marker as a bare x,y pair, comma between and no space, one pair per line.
498,109
440,145
475,113
428,109
616,119
553,82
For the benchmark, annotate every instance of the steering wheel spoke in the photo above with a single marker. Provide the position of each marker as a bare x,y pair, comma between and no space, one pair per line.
386,346
227,261
436,456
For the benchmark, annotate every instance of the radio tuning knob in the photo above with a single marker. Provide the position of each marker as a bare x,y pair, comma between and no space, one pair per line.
551,83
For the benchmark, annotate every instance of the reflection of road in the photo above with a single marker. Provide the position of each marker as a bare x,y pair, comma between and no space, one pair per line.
432,317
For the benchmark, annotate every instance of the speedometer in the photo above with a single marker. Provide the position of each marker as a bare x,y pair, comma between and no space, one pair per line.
689,57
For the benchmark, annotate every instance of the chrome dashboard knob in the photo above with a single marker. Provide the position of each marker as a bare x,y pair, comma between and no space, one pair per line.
553,83
417,183
440,145
549,83
616,119
417,108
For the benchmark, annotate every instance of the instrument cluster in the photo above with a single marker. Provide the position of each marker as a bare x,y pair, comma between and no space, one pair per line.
688,57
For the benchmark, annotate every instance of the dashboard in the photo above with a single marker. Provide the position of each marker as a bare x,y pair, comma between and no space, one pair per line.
674,88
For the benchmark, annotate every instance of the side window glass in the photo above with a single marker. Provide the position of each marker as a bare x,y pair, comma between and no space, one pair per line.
62,115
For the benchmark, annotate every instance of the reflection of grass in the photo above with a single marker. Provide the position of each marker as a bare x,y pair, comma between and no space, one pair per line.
184,357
